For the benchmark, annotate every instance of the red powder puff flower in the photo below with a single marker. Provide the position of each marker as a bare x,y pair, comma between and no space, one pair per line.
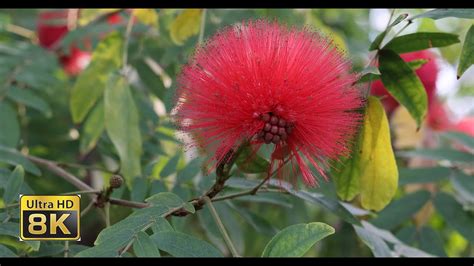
427,74
264,83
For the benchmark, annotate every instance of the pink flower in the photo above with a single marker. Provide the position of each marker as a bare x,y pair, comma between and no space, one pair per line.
264,83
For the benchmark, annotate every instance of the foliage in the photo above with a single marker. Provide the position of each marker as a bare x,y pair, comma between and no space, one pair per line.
114,118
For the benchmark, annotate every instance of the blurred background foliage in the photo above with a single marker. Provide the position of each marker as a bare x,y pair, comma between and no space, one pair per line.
431,212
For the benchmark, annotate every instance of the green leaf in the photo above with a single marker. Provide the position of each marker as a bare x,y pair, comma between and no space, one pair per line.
422,175
377,184
146,16
91,83
92,129
378,40
259,223
6,252
249,161
15,158
372,76
346,176
181,245
190,170
447,12
461,137
401,210
376,244
399,19
403,84
431,242
170,200
296,240
161,225
185,25
144,246
170,166
454,215
122,125
420,41
464,186
9,120
98,252
467,53
439,154
328,203
12,189
30,99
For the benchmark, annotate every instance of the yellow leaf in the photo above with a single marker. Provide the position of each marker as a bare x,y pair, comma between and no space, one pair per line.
146,16
185,25
89,15
379,172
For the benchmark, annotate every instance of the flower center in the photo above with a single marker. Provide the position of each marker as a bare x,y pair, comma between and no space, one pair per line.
276,129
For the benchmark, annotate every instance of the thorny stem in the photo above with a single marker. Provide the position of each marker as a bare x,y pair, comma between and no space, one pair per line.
221,227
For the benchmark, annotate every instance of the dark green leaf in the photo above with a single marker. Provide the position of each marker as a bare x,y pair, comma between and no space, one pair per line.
440,154
13,157
9,120
371,76
122,125
454,215
92,129
181,245
161,225
447,12
422,175
170,166
401,210
144,246
139,189
467,53
6,253
378,40
190,170
461,137
431,242
464,185
296,240
12,189
10,229
249,161
256,221
403,84
91,83
332,205
420,41
30,99
170,200
376,244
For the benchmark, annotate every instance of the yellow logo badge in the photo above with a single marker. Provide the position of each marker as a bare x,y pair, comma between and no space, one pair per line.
50,217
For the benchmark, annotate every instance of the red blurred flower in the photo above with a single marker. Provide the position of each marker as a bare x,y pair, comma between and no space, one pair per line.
52,27
427,74
264,83
466,125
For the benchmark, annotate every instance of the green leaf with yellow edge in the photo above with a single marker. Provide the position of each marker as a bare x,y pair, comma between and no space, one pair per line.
122,125
467,53
296,240
146,16
185,25
87,15
91,83
378,168
403,84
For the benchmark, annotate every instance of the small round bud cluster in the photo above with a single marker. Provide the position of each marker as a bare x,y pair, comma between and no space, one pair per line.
116,181
275,129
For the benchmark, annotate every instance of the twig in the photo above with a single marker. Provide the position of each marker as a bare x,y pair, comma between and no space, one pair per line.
66,249
128,32
107,214
88,167
87,209
23,32
221,227
203,27
82,192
